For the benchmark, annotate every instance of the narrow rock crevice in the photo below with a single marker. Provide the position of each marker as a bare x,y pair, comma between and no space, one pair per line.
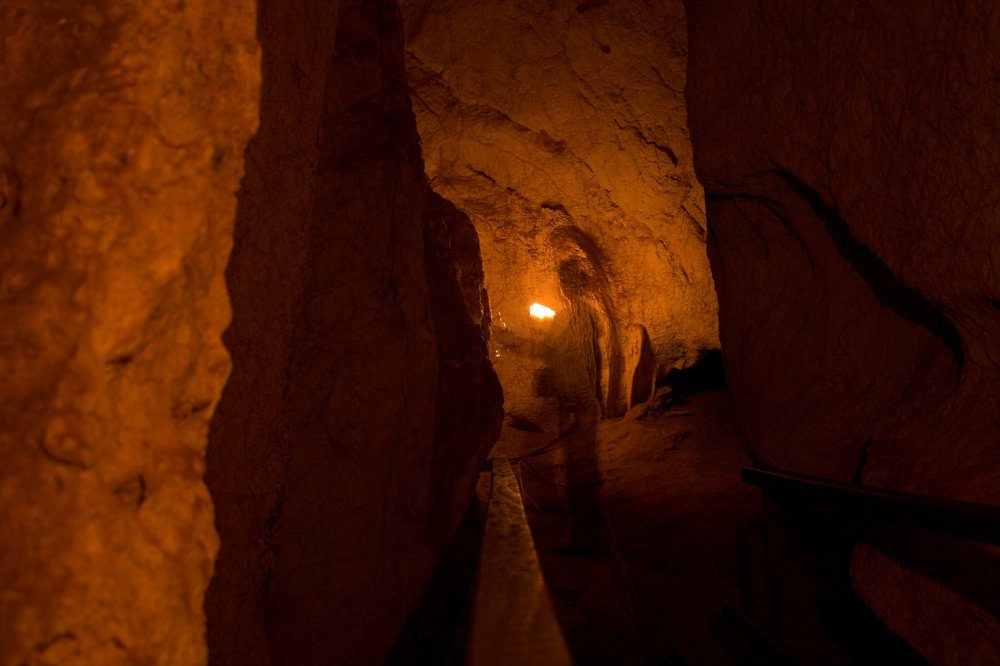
890,291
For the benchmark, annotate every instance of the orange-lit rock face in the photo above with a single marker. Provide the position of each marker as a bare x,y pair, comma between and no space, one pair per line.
560,129
122,130
849,156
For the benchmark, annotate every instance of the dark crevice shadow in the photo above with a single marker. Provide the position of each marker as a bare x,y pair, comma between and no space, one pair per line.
773,207
808,587
437,631
645,368
706,374
862,459
587,5
904,300
963,566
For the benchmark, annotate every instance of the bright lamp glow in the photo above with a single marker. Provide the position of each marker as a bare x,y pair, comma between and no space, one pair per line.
539,311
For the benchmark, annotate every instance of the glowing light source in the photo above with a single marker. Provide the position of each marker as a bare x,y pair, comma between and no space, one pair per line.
539,311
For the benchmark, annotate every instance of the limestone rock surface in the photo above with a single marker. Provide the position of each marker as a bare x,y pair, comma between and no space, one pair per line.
122,129
348,440
559,127
849,155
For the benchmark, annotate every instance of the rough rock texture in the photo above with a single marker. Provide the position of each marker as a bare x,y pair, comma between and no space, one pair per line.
559,127
122,129
347,443
849,155
469,401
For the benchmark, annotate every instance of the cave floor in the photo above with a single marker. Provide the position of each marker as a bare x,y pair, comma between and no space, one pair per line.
641,526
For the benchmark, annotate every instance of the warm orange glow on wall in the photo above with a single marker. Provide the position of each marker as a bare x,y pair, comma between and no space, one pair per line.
539,311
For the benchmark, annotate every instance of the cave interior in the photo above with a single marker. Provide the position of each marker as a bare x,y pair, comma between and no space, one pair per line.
295,295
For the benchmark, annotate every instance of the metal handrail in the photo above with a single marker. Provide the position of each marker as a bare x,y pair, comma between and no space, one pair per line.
968,520
514,623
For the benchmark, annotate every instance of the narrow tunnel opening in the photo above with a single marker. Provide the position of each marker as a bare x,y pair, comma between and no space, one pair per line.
575,167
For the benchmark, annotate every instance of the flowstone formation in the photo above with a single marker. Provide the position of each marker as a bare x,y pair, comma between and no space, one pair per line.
849,155
122,131
559,127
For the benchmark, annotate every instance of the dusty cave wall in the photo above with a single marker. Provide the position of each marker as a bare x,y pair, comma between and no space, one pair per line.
559,127
361,403
849,155
122,130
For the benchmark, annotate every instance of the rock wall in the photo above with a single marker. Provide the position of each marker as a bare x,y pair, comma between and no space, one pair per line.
559,127
849,155
361,404
122,131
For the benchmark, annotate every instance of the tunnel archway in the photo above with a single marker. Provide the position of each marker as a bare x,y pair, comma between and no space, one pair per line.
567,146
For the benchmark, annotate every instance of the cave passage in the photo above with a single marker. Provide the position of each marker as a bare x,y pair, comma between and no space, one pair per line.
575,166
291,292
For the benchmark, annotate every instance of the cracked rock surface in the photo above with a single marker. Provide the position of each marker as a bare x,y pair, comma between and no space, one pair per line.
849,156
559,127
122,131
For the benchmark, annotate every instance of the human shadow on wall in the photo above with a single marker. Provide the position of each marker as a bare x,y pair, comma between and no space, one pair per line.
572,376
582,371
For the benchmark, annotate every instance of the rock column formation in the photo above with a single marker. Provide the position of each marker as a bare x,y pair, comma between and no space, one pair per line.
559,127
361,404
122,129
849,153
